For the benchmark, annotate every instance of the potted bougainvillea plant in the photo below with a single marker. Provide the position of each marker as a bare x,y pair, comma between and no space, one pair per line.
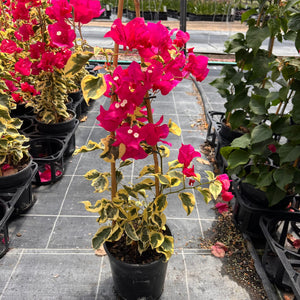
133,225
40,36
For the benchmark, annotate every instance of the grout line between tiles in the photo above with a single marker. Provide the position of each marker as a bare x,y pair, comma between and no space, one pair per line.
11,275
186,276
99,278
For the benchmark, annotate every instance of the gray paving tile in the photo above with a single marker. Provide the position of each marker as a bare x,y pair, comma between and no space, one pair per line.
73,232
7,264
30,231
207,280
54,276
185,232
50,197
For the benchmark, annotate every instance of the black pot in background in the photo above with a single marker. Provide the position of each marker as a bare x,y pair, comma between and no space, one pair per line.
61,127
22,110
281,260
246,212
48,153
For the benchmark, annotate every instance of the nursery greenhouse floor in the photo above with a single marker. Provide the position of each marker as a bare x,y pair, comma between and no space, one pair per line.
50,254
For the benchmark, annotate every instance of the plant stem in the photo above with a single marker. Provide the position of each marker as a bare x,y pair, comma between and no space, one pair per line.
113,98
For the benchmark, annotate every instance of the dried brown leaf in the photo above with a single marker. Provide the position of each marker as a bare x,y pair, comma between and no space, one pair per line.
100,251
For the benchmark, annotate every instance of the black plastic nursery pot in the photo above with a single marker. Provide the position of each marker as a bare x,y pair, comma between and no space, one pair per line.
281,260
48,152
61,127
249,208
137,281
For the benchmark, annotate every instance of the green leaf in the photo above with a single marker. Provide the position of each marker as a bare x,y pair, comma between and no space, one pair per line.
242,141
247,14
237,158
164,179
294,22
289,153
125,163
174,165
130,231
156,239
210,175
283,177
205,193
76,62
101,236
255,36
261,133
257,105
92,174
188,201
161,202
167,247
93,87
215,189
148,169
100,183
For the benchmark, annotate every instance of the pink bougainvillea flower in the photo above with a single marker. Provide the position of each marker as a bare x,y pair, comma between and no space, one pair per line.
181,38
131,84
86,10
159,35
219,249
26,87
11,86
62,57
189,172
154,133
227,196
6,167
26,31
137,34
35,69
37,49
60,10
112,118
197,66
117,33
9,46
62,35
186,154
17,97
47,62
296,244
224,179
23,66
131,138
191,182
272,148
221,207
20,11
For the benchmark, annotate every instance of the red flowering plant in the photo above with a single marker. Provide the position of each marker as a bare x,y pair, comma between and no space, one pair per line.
135,211
39,37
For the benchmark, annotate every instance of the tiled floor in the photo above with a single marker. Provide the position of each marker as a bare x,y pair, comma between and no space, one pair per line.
51,255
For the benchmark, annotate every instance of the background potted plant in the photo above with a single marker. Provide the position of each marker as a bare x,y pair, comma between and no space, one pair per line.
132,222
261,101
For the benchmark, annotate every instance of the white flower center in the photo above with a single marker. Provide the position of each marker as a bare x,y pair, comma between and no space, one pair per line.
58,33
130,131
117,105
116,77
136,135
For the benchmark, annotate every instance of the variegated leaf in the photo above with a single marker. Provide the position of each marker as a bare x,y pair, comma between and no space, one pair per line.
100,237
174,128
215,188
130,231
156,239
188,201
93,87
161,202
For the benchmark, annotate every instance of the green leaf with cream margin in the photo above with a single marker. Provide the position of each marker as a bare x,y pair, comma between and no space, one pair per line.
76,62
93,87
188,201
